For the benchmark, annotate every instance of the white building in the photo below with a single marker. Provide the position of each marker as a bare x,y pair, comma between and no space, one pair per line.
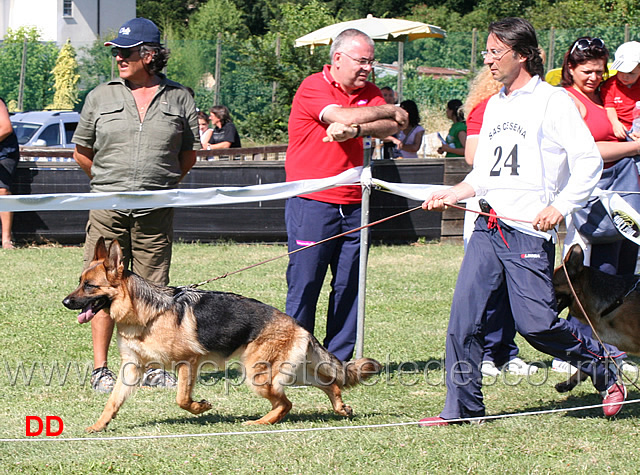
81,21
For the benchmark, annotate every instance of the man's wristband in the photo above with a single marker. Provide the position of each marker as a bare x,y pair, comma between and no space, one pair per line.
358,130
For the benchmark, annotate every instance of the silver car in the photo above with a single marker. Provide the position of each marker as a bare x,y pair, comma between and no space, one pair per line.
45,128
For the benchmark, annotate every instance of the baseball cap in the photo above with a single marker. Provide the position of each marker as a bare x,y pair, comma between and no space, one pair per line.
135,32
627,57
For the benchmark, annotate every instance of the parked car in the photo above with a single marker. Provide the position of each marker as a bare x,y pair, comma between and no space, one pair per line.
45,128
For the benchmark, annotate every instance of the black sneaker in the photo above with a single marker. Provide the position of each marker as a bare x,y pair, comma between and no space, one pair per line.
103,380
159,378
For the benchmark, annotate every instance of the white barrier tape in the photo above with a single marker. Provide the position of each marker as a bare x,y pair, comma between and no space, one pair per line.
252,433
408,190
175,198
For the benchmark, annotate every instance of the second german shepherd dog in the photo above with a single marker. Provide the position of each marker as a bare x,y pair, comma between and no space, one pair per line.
185,327
612,303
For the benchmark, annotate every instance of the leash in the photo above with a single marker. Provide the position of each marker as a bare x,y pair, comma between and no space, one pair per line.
595,333
266,261
199,284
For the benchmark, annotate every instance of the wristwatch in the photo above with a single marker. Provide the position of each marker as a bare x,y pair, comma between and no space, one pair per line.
358,130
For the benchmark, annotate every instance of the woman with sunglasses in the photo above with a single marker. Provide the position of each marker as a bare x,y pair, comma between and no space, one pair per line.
583,69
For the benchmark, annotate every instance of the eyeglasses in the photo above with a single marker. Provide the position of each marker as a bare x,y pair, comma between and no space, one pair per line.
494,55
584,44
124,53
362,61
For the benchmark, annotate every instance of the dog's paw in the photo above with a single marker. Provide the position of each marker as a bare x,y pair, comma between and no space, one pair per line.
254,422
200,407
345,411
95,428
565,386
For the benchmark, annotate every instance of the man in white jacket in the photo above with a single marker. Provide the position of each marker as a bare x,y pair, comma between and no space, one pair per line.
536,161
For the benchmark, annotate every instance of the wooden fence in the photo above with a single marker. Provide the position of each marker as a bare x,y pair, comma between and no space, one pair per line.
53,171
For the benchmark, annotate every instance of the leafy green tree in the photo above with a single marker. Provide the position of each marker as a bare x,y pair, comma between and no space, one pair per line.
96,66
41,58
169,15
268,121
66,77
217,16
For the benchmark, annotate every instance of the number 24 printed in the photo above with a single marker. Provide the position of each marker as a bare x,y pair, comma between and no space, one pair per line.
510,161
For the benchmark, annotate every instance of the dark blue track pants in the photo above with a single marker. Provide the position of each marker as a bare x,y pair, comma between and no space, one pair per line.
310,221
526,268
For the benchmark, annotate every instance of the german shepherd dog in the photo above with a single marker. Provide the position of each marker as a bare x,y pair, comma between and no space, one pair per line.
186,327
612,303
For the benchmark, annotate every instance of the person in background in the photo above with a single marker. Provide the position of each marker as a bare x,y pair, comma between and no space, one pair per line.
409,140
457,136
9,157
389,150
138,132
500,349
205,130
331,111
389,95
224,133
541,167
584,65
621,92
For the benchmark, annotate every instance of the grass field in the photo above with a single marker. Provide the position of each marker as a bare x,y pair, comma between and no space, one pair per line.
408,299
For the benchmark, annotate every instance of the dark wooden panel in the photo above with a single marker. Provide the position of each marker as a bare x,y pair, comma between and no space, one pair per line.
260,221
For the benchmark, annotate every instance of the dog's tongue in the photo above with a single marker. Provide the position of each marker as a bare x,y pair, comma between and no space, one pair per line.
85,316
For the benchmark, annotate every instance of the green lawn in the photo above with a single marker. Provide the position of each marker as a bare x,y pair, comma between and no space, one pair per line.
408,299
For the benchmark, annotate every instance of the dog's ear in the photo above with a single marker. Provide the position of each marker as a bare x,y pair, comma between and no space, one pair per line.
114,263
100,251
574,260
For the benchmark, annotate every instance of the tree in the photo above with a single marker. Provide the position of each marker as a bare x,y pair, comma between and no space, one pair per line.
217,16
66,77
41,58
268,121
169,15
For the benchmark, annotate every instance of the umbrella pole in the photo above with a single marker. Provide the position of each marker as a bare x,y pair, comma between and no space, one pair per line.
364,239
400,69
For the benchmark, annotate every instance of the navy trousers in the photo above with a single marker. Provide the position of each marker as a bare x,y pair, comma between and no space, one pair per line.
500,329
307,222
526,268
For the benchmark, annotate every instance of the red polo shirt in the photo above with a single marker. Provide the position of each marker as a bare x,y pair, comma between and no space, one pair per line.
622,98
308,156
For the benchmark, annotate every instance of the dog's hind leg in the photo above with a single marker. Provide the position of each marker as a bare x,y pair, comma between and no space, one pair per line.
269,387
187,374
128,380
335,395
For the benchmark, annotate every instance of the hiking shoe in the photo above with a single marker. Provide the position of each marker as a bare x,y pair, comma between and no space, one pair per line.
616,394
433,421
560,366
517,366
103,380
489,368
159,378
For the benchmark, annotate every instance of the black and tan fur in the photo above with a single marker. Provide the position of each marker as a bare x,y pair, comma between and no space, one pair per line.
185,327
611,302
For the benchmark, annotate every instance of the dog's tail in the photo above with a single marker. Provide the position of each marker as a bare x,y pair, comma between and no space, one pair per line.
328,368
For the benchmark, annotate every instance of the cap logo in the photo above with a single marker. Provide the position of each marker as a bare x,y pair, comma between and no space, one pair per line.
124,31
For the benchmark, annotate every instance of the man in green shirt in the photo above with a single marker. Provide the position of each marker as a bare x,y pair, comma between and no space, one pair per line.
136,133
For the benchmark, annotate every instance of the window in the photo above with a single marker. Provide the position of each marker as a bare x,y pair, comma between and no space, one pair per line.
51,135
67,8
69,129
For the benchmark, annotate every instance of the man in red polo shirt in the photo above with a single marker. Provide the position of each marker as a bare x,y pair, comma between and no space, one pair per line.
331,111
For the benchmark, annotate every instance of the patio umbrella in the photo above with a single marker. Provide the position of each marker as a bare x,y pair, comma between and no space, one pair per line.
379,29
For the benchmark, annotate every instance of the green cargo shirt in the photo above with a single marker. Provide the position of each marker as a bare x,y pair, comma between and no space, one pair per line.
130,155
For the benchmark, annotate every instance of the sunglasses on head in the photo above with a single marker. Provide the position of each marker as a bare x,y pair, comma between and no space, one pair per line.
584,44
124,53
